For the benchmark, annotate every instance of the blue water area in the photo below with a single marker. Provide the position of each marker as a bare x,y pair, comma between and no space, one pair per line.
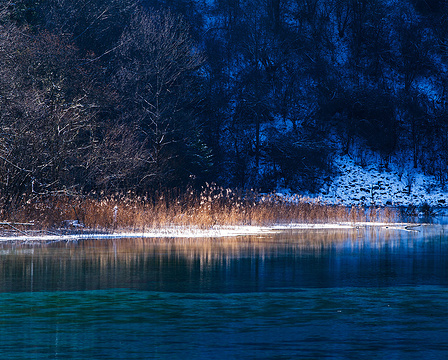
363,294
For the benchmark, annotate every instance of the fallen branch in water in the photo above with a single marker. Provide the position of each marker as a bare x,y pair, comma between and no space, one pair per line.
9,223
12,226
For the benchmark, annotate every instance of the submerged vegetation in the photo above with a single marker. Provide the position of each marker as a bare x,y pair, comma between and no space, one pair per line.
212,206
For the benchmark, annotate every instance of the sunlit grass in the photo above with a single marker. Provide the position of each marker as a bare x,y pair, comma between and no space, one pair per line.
213,206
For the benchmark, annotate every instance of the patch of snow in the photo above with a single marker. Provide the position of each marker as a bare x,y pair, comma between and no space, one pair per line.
181,232
357,185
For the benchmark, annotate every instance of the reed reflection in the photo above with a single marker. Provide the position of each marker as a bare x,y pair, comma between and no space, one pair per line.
281,261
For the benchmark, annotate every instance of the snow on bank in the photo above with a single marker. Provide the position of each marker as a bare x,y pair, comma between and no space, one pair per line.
217,232
357,185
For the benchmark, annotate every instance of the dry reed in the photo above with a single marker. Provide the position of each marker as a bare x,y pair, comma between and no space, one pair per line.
213,206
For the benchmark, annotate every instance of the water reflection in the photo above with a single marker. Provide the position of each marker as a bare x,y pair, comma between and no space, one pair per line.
281,261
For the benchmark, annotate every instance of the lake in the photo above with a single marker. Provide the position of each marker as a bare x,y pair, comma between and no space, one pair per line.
300,294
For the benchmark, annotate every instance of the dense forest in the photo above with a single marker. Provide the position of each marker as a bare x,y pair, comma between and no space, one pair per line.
118,95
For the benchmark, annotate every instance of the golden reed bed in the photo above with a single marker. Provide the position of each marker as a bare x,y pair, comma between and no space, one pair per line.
213,206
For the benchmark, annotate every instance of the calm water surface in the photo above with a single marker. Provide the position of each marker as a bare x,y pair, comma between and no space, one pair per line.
347,294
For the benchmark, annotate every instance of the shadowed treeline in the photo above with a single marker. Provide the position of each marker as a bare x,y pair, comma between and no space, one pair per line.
141,95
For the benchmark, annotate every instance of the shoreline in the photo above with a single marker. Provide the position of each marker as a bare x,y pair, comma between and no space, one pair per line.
214,232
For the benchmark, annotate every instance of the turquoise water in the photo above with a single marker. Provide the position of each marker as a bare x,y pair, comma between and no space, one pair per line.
308,295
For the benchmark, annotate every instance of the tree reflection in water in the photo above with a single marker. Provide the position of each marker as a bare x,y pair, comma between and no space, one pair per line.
279,261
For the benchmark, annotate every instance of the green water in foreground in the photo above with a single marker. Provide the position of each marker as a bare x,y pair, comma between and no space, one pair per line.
369,294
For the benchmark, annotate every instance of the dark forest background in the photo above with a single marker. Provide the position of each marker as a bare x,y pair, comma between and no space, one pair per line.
118,95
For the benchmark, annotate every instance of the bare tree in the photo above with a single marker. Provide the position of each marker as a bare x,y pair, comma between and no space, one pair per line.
157,75
48,112
96,25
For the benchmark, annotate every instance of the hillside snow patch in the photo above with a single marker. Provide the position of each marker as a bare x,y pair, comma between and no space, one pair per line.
357,185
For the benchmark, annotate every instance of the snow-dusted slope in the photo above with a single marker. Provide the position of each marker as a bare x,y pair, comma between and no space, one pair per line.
366,185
